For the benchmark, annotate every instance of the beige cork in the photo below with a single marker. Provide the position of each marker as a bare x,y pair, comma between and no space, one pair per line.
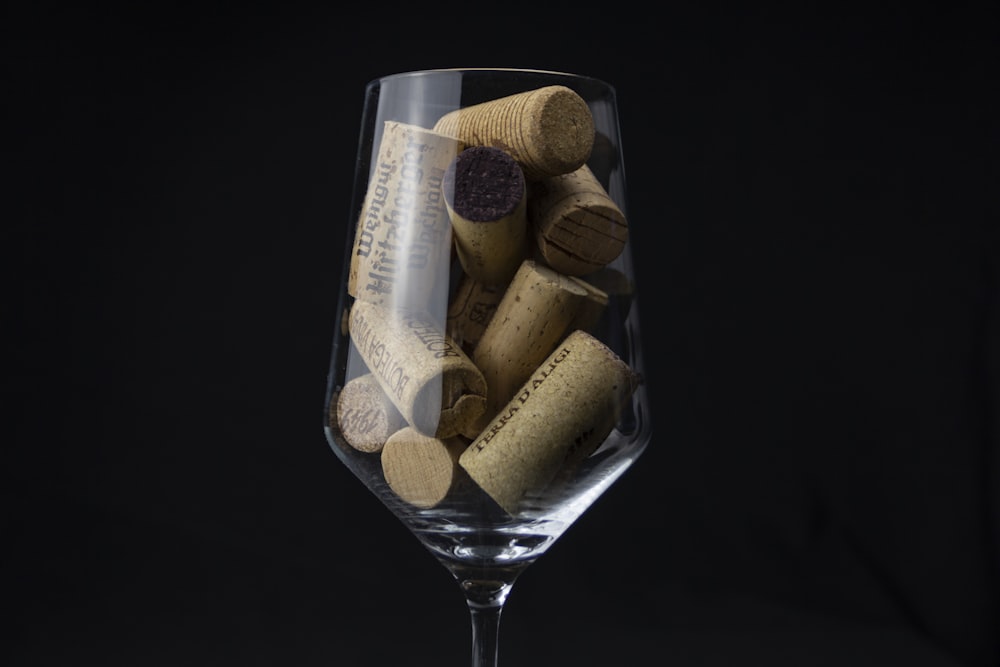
403,236
535,314
485,195
364,415
561,414
421,469
549,130
578,228
471,309
426,375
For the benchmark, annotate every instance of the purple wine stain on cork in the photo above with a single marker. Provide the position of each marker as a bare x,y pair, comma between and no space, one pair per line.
483,184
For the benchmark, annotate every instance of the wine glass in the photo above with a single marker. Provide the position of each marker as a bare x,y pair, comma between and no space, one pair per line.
486,380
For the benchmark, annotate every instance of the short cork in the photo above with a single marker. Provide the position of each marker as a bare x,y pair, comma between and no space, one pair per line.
577,226
364,415
420,469
549,131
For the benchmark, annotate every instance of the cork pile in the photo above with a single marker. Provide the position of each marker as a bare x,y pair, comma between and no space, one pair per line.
513,389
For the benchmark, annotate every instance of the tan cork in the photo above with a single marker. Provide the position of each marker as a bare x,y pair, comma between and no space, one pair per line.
485,195
403,235
549,130
535,314
426,375
560,415
364,415
578,228
420,469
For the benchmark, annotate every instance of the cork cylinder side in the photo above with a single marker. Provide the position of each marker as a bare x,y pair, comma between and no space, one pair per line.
534,315
485,195
578,228
426,375
564,411
549,130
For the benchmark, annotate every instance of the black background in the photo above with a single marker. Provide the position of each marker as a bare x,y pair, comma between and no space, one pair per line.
814,206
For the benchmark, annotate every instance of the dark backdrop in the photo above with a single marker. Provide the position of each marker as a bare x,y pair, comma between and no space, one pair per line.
813,200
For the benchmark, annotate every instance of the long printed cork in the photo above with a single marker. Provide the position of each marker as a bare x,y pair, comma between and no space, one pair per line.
578,228
485,194
403,235
425,374
471,309
421,469
536,312
560,415
549,130
364,415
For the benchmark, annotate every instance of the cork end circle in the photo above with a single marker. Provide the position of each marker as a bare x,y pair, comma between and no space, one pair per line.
565,131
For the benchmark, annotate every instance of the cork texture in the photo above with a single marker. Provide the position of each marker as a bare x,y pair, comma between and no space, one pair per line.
533,316
578,228
426,375
485,196
562,413
549,130
420,469
364,415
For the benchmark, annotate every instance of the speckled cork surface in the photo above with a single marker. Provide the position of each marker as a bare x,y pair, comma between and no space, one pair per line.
565,409
425,374
549,131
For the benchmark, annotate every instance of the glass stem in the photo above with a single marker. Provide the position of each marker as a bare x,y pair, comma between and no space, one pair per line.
486,599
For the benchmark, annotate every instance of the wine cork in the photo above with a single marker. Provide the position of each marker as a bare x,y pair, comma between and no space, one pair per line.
549,130
484,192
420,469
403,235
364,415
426,375
591,309
560,415
534,315
471,309
576,225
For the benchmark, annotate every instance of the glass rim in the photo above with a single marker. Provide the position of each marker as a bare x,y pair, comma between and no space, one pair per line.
486,70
